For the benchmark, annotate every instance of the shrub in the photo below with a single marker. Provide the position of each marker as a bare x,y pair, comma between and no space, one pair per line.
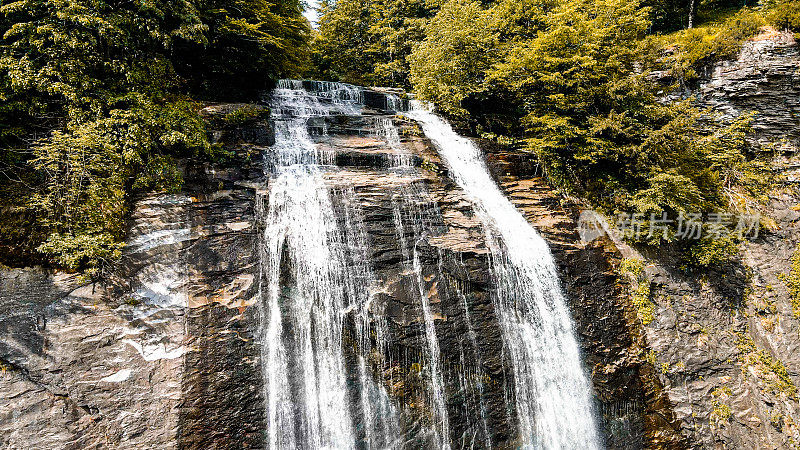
792,281
703,45
711,251
633,270
786,16
246,114
95,107
91,170
90,252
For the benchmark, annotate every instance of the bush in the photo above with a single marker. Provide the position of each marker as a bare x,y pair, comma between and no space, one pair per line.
569,79
245,115
639,288
696,47
710,251
91,170
792,281
83,251
368,42
786,16
451,63
95,107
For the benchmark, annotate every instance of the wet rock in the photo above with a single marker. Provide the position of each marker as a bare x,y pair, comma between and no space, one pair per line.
164,352
157,355
626,393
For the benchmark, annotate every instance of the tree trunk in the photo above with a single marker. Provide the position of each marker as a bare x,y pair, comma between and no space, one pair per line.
692,12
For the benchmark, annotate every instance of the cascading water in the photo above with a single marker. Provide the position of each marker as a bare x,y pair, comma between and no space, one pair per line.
299,221
399,156
553,395
313,273
326,340
411,257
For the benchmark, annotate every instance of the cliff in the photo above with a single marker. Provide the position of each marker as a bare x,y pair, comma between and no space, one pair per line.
764,79
164,352
723,344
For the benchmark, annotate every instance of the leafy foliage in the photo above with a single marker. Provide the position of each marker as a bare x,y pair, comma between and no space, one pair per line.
786,15
450,65
96,107
568,80
90,168
368,41
792,281
248,43
672,15
771,373
694,48
639,288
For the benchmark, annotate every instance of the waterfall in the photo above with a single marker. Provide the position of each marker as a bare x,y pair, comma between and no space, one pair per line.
298,220
326,362
313,274
399,157
553,395
413,196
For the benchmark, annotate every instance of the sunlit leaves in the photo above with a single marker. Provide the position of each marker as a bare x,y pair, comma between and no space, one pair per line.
95,103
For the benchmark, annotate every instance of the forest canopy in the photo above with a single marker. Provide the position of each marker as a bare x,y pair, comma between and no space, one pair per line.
99,99
571,82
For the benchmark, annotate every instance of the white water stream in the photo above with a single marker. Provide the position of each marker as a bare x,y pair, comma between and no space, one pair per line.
320,391
553,394
313,272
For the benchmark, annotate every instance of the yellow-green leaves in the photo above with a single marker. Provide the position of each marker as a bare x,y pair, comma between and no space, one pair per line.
451,63
91,169
570,78
369,41
95,104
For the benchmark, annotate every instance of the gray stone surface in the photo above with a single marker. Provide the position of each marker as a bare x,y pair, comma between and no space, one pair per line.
765,79
162,353
724,344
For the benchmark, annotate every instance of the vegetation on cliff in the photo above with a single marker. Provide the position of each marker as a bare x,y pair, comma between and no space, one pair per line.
572,82
368,42
792,281
97,103
99,97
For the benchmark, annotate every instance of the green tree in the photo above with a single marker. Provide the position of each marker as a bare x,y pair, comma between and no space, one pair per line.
342,39
568,81
785,15
246,46
369,41
96,107
450,65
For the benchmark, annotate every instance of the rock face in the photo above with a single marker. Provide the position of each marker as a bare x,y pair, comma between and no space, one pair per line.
164,352
158,355
764,79
724,344
454,276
